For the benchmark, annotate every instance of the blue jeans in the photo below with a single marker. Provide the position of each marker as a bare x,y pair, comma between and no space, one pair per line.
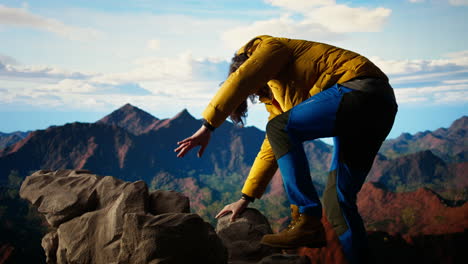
359,122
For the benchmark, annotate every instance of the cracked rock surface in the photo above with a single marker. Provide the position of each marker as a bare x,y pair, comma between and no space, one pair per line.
97,219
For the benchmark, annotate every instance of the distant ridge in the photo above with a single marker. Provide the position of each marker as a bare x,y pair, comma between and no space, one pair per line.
7,139
181,118
130,142
450,144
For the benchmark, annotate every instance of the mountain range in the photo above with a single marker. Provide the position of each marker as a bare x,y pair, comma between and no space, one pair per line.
7,139
131,144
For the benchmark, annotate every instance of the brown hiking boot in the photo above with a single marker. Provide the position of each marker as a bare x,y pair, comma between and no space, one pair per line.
303,231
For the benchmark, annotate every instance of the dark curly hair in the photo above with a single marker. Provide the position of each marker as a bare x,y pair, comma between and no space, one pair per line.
239,115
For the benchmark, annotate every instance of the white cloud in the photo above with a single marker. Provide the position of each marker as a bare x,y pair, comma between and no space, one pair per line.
433,94
455,81
400,67
69,86
451,97
460,58
452,63
35,71
153,69
4,59
300,5
421,77
182,68
21,17
154,44
438,81
336,17
84,95
184,81
342,18
180,82
452,2
284,26
321,20
458,2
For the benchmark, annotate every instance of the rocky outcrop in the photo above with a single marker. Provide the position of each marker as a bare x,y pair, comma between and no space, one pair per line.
242,239
98,219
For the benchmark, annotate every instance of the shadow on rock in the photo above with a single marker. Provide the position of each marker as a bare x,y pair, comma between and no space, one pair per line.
242,239
98,219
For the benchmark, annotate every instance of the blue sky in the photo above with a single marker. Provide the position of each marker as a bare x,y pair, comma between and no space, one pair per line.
66,61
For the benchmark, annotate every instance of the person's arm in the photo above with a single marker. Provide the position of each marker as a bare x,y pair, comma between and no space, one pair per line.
266,61
261,173
265,165
200,138
263,169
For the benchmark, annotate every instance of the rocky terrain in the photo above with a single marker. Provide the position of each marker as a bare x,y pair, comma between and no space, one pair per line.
95,219
415,196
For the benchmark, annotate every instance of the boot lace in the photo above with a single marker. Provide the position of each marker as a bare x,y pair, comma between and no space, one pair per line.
293,222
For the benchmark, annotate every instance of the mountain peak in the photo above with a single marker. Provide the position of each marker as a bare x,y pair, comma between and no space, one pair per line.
129,108
131,118
184,114
460,123
182,118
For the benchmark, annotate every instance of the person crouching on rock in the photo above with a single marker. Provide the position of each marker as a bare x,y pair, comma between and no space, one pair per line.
311,90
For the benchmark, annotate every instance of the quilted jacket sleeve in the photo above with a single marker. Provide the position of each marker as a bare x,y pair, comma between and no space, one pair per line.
267,60
263,169
264,166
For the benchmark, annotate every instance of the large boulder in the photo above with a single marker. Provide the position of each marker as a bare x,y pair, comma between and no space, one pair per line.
171,238
105,220
162,201
242,239
61,195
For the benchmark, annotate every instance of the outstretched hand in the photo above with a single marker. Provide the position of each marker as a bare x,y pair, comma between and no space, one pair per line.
236,208
200,138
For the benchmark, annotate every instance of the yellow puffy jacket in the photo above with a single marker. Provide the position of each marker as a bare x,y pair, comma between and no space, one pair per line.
294,70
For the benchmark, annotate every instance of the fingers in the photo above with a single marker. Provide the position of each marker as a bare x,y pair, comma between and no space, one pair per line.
181,146
223,213
183,141
183,149
202,149
234,215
